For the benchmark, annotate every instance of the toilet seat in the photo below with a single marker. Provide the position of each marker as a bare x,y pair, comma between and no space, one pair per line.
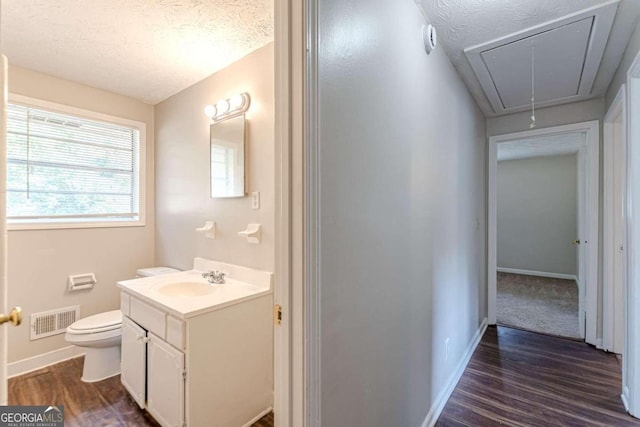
98,323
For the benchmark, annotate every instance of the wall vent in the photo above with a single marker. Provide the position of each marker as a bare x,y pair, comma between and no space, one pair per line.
53,322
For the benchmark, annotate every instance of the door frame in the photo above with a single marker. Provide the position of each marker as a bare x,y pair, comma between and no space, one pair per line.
4,94
614,155
289,367
588,169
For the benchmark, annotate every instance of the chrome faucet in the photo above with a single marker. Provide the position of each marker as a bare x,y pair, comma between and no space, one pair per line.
214,276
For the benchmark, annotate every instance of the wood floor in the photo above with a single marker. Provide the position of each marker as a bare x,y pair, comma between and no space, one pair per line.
519,378
515,378
99,404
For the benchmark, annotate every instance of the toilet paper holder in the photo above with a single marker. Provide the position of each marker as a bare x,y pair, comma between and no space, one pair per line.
79,282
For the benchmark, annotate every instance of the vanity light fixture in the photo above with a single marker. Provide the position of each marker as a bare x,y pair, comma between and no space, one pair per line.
226,108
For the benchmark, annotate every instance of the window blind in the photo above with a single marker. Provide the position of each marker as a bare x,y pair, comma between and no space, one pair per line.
63,168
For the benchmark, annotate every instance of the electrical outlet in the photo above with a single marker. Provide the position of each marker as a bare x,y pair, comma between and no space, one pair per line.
255,200
446,349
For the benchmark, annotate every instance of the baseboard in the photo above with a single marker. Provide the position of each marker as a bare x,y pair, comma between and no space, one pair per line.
443,396
257,417
625,400
539,273
42,360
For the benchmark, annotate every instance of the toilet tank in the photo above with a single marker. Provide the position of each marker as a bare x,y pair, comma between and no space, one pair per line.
155,271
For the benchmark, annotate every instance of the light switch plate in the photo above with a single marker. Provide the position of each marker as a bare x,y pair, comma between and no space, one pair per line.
255,200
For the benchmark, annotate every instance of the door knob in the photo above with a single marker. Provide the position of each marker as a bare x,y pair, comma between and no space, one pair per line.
14,316
575,242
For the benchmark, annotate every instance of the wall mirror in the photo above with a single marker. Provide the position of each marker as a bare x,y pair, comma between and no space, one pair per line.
227,157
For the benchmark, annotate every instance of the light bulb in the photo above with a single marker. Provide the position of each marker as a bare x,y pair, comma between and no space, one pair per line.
236,102
210,111
222,106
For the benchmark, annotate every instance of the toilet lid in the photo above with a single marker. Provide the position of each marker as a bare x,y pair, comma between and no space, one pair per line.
101,321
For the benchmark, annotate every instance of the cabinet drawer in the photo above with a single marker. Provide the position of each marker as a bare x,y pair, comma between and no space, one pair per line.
175,332
124,303
148,317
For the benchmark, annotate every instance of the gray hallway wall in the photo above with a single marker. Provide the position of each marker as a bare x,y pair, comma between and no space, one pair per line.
537,214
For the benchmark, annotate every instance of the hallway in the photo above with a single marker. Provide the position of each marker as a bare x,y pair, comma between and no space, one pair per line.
519,378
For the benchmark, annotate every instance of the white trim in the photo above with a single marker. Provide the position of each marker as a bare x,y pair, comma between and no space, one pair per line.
142,166
625,398
289,361
312,223
282,340
3,227
589,155
538,273
631,347
492,235
257,417
442,398
612,298
43,360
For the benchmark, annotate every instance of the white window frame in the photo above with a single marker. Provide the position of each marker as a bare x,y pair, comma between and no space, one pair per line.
142,169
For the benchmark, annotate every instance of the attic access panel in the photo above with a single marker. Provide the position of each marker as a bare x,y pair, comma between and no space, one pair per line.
559,60
568,52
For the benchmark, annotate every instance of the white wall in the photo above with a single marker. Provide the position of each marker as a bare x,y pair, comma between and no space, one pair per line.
40,261
537,214
402,178
564,114
182,172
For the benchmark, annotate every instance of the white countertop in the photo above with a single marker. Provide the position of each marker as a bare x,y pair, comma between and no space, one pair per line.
214,297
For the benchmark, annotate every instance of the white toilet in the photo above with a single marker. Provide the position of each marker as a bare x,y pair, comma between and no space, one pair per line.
100,336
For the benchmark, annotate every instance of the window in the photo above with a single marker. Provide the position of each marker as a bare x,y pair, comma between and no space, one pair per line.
72,170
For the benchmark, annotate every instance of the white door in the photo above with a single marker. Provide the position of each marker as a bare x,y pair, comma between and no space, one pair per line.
134,360
165,382
581,233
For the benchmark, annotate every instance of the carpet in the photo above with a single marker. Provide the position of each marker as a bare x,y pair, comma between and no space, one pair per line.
538,304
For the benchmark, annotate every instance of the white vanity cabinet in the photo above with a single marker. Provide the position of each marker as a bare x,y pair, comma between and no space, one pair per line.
153,373
207,368
165,382
134,360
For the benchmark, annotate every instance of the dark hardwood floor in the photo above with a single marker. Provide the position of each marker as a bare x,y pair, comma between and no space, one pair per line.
515,378
99,404
520,378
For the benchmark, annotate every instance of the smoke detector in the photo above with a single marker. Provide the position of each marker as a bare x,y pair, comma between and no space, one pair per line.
429,37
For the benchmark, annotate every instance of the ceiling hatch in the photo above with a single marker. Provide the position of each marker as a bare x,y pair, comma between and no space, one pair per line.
567,54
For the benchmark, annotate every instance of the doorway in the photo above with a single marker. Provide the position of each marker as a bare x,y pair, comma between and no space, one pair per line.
539,285
586,149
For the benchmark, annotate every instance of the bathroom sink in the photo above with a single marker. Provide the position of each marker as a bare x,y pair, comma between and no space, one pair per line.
186,289
187,294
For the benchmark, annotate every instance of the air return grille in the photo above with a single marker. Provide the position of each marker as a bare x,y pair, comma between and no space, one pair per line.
53,322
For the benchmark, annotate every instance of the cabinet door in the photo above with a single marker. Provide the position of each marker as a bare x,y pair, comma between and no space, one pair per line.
165,382
133,360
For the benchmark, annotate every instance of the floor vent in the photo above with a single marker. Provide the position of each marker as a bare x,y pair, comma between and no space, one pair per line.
53,322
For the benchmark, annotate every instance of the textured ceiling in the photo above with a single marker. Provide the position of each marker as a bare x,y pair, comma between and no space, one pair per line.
148,49
543,146
466,23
